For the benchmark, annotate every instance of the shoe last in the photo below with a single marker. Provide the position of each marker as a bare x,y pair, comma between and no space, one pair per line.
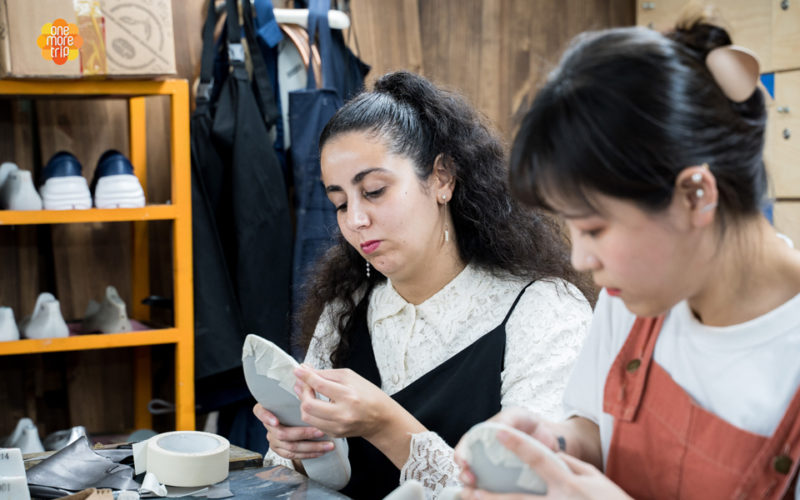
110,316
25,437
8,327
18,192
46,320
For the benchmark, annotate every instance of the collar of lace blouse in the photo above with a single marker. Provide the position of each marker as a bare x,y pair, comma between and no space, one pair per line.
386,302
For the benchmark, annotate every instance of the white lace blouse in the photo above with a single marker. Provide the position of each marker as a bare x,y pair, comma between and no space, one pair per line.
543,337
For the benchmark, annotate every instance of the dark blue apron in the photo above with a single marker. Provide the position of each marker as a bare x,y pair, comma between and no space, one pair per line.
309,111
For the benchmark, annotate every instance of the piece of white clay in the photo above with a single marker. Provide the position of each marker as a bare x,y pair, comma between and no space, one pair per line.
497,468
269,373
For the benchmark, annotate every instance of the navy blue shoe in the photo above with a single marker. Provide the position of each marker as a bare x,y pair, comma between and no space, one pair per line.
63,186
114,185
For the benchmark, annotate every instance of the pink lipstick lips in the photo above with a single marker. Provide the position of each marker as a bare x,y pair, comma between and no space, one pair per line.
370,246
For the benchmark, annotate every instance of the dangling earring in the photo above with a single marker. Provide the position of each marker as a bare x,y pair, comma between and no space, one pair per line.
367,268
446,227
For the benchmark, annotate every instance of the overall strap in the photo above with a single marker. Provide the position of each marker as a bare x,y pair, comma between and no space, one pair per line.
775,469
627,376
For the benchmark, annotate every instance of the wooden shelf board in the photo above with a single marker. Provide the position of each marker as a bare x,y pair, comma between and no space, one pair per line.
89,88
149,212
84,342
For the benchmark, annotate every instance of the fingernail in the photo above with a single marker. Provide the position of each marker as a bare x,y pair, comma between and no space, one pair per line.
273,422
502,436
297,390
328,446
318,433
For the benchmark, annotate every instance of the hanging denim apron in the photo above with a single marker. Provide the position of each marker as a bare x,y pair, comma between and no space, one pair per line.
309,111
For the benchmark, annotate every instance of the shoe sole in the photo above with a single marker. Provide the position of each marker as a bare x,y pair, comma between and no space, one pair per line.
118,191
66,193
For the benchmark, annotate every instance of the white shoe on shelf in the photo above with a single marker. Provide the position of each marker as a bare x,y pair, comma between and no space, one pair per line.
18,192
8,327
108,316
46,321
25,437
63,185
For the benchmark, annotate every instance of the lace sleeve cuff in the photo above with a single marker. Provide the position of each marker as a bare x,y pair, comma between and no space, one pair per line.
430,461
272,458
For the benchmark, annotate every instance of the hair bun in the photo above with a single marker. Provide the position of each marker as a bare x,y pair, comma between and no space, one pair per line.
405,87
700,34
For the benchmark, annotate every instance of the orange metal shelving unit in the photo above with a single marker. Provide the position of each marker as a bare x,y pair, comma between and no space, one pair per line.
178,211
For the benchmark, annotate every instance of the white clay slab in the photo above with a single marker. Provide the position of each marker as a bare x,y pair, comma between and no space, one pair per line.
496,468
269,373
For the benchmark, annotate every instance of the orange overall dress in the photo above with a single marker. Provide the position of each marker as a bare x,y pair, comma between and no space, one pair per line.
665,446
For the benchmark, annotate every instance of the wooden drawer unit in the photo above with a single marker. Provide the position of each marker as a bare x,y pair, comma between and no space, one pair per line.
786,216
782,152
771,28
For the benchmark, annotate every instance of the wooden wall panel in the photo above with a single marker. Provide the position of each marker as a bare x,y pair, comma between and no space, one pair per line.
497,52
387,33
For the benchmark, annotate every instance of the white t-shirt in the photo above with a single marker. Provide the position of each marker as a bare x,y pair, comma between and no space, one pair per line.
745,374
543,338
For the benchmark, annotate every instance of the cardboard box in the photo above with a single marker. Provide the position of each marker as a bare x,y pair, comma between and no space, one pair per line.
86,38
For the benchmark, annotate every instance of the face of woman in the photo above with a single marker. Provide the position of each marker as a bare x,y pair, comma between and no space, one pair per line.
650,261
384,211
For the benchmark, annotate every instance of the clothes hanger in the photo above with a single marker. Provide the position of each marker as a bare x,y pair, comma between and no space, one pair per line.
336,18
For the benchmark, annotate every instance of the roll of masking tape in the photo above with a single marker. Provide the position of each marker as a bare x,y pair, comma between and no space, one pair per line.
187,458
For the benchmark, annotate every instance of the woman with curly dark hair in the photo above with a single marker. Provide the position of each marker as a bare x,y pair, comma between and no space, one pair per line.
443,302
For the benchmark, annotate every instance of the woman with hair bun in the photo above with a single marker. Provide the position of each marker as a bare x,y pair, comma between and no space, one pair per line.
688,385
443,301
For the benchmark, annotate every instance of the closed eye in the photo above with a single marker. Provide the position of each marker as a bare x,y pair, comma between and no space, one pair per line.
592,233
374,194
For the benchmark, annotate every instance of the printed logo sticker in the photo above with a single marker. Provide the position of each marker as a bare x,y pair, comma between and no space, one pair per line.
60,41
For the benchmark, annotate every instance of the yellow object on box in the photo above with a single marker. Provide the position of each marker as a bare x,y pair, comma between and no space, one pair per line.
77,38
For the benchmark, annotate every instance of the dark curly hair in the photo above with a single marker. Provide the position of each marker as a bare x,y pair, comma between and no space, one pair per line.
420,121
626,110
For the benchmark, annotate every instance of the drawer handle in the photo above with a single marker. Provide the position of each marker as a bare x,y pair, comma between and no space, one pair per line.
783,109
787,134
652,5
785,4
